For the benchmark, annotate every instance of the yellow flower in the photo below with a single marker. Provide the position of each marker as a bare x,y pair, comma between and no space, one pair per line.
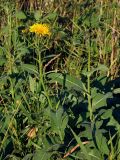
40,29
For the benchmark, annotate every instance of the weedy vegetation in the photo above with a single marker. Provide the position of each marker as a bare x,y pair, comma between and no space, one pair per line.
59,80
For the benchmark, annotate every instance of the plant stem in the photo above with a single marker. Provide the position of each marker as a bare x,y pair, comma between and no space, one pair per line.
41,74
88,86
42,80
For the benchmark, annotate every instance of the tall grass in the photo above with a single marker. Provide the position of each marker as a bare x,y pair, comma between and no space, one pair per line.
60,89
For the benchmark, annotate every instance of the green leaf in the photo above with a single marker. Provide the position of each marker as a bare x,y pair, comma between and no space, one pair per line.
87,132
2,51
42,155
3,80
101,142
94,21
56,119
113,122
81,145
26,113
28,157
6,123
100,67
62,34
15,38
64,122
32,84
29,68
107,114
100,100
67,81
116,91
51,16
3,60
119,146
37,15
21,51
59,121
20,15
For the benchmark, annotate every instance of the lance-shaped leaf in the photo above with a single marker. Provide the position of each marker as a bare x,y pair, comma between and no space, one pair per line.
67,81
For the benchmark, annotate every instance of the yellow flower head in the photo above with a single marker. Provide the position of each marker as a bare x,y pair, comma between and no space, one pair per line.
40,29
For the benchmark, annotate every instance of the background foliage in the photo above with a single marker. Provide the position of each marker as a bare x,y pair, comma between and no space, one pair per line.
63,90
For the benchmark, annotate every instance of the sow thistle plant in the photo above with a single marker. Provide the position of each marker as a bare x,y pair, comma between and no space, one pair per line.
40,30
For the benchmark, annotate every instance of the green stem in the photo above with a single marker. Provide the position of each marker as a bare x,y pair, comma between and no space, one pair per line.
41,74
42,80
89,88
